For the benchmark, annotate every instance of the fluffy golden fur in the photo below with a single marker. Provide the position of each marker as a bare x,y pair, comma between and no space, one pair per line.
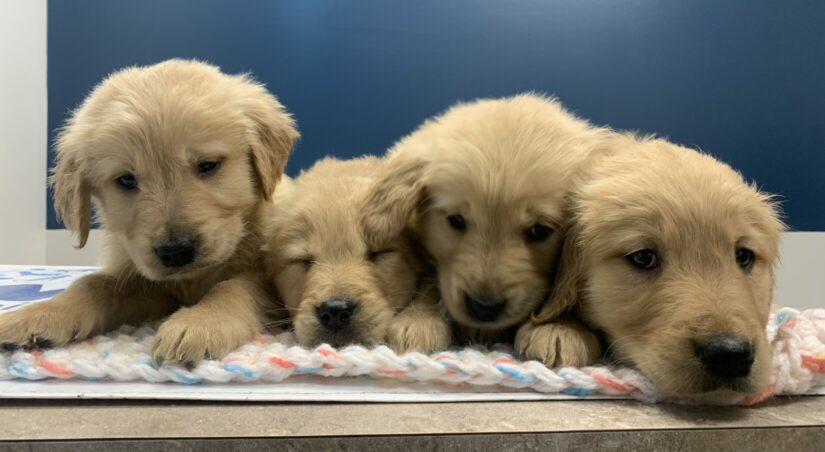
170,153
696,215
318,257
483,186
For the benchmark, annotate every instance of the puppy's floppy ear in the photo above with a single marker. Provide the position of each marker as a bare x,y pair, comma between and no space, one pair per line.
393,200
272,138
569,281
72,192
274,223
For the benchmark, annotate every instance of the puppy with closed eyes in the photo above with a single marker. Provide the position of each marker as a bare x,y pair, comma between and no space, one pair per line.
180,161
335,288
671,256
483,187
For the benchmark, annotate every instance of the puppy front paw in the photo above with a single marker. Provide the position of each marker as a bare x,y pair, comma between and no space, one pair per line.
44,325
425,334
188,336
561,344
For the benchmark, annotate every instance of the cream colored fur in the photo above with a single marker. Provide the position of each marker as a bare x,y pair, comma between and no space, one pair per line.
317,252
504,165
158,123
694,212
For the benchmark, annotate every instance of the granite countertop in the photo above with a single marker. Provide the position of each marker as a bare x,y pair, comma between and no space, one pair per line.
790,423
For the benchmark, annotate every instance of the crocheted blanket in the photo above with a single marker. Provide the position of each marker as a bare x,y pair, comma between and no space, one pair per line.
797,339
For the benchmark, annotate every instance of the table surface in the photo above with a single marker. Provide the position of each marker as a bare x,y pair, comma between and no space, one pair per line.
112,419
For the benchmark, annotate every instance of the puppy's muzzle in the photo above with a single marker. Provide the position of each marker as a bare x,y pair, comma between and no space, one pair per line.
484,308
726,356
335,314
177,251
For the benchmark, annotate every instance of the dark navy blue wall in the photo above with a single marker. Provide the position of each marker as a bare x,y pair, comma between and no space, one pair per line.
744,80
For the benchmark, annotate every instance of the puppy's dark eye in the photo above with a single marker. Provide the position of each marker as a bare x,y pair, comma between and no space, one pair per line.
208,167
643,259
744,258
457,222
127,182
373,256
538,233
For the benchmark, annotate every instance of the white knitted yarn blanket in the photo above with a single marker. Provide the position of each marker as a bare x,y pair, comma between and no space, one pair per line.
797,341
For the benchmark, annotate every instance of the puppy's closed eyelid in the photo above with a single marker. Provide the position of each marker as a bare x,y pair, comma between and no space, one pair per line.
306,261
373,256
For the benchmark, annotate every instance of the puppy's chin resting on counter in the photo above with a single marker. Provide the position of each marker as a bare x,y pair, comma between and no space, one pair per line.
671,255
179,161
333,286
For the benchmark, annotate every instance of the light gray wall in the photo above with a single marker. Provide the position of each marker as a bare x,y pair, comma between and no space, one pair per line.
23,137
800,276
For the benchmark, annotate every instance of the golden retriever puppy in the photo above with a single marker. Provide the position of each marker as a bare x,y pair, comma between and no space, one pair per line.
179,160
483,186
671,255
336,289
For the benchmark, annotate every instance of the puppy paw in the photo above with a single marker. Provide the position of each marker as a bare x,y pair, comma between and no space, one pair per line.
188,336
425,334
562,344
44,325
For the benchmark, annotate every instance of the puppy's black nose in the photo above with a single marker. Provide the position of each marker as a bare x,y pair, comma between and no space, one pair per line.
335,314
726,356
177,252
483,308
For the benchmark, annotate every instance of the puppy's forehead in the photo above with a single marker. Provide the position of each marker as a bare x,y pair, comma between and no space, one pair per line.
500,180
674,195
168,128
165,110
325,220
